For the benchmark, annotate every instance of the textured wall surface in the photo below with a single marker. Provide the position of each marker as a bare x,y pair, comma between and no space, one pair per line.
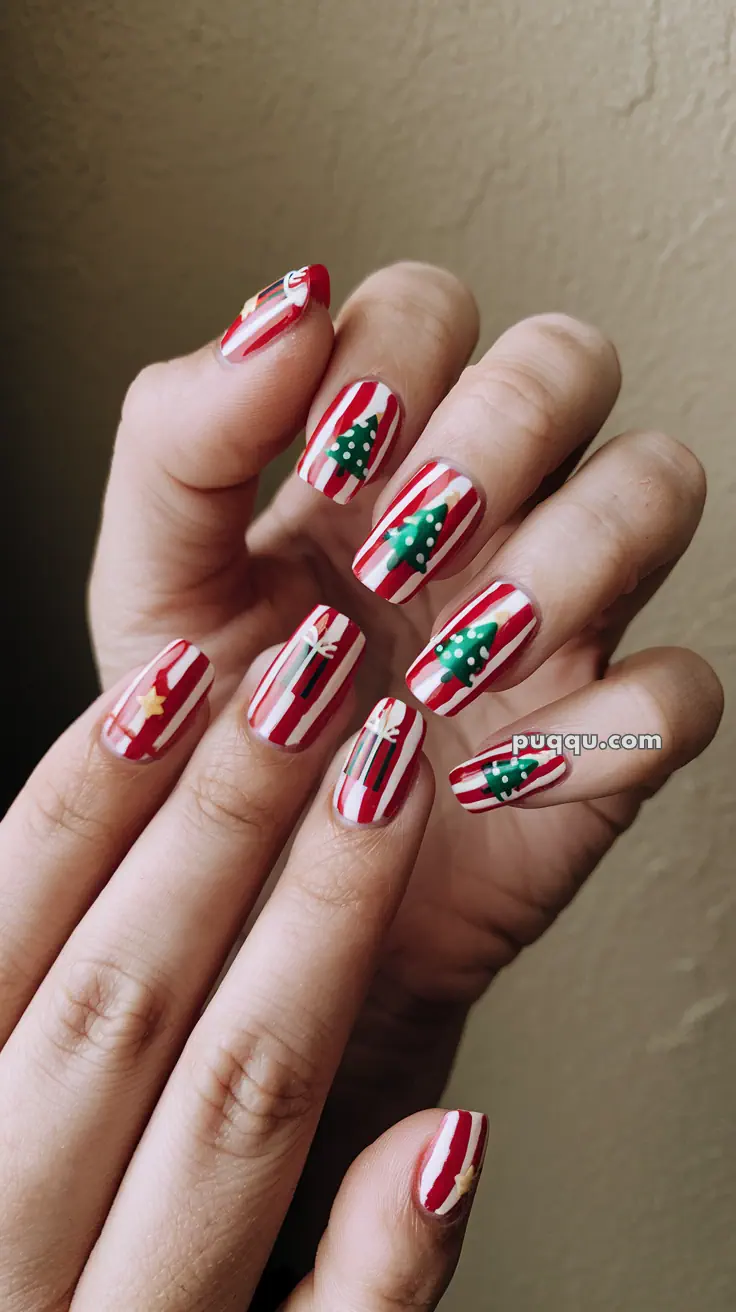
166,159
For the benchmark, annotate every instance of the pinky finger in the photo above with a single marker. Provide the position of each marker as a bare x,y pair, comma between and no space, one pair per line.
651,714
397,1225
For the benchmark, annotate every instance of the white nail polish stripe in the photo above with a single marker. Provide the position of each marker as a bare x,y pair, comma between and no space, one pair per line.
176,673
412,585
469,782
333,687
431,476
186,708
378,399
140,678
264,313
408,752
441,1153
334,633
318,441
286,651
355,798
422,691
541,780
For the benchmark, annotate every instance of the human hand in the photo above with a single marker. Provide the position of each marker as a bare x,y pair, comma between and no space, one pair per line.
151,1143
197,432
587,553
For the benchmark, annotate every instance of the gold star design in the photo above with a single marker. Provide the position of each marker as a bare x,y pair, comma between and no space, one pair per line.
152,703
249,306
464,1181
501,618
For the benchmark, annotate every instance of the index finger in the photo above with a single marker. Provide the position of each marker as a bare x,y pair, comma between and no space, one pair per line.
234,1125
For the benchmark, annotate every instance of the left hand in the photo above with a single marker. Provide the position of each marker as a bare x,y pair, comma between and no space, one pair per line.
590,552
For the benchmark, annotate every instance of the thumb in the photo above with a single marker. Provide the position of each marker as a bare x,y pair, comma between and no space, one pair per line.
195,433
397,1225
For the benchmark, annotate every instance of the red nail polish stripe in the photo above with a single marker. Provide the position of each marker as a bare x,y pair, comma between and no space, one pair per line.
305,684
422,529
351,440
379,769
472,649
499,775
158,705
274,309
454,1161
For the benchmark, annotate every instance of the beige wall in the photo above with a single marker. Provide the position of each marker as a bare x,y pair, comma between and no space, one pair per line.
165,159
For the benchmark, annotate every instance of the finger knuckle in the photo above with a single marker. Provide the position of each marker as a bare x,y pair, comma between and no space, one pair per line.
607,525
575,339
217,804
102,1014
254,1089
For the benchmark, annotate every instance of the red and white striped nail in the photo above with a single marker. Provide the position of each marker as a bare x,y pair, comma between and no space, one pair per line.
473,649
303,687
159,705
276,308
453,1162
423,528
499,775
380,767
351,440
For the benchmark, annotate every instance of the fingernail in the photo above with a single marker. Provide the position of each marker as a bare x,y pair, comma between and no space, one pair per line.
159,705
425,525
351,440
303,687
499,775
274,309
453,1162
379,768
472,650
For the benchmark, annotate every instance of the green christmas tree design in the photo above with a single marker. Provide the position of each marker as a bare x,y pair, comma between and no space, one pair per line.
351,450
503,777
414,540
466,652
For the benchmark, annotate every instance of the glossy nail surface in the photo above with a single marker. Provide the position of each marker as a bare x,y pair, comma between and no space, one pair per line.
160,703
423,528
310,677
379,769
351,440
275,309
473,649
499,775
453,1162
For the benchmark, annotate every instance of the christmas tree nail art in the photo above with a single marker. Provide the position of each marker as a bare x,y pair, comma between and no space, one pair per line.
160,704
414,540
465,653
308,680
379,769
352,440
498,776
472,649
276,308
425,525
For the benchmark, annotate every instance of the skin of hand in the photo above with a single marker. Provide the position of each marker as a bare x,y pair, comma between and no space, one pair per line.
153,1135
583,548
